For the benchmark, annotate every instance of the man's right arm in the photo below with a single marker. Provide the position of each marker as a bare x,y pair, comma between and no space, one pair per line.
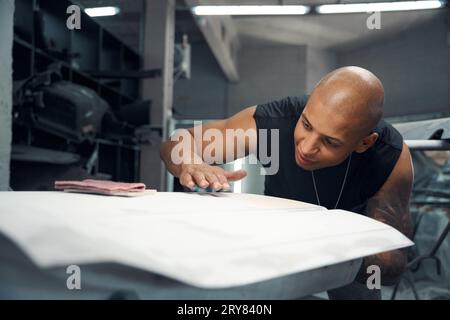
195,168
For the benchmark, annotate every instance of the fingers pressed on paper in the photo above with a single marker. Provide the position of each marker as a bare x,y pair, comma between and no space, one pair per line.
187,180
213,180
200,179
223,180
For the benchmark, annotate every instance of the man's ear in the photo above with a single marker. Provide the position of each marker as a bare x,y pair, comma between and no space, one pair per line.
367,142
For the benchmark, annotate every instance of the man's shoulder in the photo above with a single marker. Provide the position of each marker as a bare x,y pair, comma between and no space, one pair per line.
381,159
388,135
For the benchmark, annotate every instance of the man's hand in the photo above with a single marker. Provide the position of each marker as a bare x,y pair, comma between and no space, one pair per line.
194,169
204,176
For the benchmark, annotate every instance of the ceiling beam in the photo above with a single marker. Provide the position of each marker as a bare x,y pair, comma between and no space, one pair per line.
221,36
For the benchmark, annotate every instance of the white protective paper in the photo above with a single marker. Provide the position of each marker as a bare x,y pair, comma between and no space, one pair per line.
212,240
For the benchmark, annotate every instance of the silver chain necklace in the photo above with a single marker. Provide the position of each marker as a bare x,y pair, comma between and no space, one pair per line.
342,187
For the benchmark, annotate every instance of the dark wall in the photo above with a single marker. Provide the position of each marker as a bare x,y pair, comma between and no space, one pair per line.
266,73
414,67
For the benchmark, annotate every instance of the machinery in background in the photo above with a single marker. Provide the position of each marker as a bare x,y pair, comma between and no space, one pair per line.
73,112
429,205
65,109
57,122
77,106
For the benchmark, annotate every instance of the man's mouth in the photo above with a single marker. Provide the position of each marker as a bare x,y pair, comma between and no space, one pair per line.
302,159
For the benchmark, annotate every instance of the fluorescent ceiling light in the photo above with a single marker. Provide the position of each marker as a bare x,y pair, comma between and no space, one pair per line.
102,11
380,6
249,10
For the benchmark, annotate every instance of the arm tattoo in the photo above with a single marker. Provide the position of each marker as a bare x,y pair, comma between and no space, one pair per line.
390,206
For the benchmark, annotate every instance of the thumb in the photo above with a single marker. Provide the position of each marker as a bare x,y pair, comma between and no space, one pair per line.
235,175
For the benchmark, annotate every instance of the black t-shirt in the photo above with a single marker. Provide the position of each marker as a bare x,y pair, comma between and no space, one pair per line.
367,172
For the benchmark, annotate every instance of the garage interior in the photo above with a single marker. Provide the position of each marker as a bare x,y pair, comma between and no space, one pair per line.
155,66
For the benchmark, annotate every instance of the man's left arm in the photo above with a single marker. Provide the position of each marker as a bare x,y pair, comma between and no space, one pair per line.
390,205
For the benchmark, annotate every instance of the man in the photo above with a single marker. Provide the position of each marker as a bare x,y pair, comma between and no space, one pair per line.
334,149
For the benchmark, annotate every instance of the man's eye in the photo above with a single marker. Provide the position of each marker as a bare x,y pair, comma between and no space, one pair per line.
330,143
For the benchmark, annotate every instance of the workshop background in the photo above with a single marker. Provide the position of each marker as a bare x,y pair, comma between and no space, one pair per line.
155,66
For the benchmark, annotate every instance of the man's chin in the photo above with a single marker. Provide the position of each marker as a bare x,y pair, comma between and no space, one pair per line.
308,167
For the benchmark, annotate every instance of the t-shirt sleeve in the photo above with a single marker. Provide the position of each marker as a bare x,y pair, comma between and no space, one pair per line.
280,115
383,161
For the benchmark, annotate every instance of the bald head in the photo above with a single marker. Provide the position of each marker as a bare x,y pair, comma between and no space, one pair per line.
354,93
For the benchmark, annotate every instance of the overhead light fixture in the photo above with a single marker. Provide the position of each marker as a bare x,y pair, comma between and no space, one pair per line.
379,6
102,11
249,10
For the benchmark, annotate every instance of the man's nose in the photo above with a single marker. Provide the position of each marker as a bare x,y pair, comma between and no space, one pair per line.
309,147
